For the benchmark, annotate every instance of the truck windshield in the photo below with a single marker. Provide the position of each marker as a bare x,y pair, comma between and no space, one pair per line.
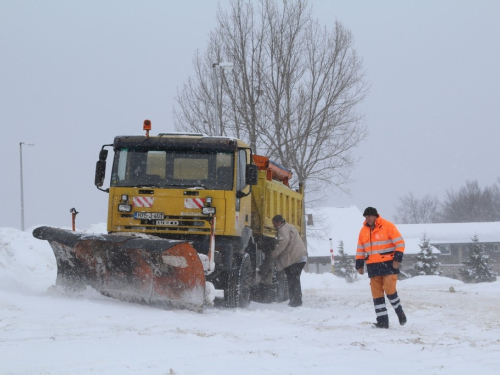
173,169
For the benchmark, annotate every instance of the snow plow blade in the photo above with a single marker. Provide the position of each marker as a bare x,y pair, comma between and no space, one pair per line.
161,273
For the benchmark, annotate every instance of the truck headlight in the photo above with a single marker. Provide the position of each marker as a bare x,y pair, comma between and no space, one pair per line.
208,210
124,208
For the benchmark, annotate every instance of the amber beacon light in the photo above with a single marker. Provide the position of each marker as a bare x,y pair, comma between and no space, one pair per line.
147,127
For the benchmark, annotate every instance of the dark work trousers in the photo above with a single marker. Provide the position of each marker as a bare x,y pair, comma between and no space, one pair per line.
295,290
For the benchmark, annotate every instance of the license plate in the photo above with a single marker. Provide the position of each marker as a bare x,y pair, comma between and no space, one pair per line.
167,222
149,215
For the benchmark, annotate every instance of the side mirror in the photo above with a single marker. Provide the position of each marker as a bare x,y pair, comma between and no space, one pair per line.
103,155
100,171
251,174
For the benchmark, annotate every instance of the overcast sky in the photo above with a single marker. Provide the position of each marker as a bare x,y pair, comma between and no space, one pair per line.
73,74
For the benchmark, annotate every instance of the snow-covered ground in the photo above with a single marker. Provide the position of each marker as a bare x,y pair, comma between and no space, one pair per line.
453,328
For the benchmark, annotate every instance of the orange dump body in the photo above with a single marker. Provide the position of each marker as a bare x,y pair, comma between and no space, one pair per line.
274,171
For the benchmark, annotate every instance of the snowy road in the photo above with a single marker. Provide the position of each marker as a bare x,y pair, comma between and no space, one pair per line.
44,331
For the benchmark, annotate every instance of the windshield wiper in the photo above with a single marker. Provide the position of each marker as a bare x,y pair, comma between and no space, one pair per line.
198,187
148,185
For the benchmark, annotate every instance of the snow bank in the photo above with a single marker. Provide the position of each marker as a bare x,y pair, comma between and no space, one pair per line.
431,280
27,265
449,330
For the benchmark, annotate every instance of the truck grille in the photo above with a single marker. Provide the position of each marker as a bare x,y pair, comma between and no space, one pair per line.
167,229
185,224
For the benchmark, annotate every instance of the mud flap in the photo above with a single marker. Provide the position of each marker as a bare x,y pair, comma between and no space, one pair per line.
162,273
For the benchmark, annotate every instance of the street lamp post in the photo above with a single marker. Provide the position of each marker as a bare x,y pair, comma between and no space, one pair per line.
225,66
22,193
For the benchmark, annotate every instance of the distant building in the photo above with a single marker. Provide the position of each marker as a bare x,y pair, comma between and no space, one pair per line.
450,241
453,241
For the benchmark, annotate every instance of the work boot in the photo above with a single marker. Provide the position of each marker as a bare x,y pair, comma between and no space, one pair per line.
381,312
396,303
382,321
402,318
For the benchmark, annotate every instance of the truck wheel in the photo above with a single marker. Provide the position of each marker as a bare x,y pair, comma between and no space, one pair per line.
281,286
276,292
239,284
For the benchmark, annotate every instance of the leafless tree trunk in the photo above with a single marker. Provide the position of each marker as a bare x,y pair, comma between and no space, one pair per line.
292,94
412,210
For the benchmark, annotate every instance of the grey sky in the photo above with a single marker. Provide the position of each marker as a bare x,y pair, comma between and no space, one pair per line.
73,74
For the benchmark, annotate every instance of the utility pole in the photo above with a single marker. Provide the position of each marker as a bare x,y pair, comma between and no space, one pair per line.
22,188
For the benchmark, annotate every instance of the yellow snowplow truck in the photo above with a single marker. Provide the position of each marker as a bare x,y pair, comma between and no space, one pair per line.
185,210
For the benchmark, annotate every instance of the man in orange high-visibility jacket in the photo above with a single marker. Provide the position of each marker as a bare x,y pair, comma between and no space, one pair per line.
382,246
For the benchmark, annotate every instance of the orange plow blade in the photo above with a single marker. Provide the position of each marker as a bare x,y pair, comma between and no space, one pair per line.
162,273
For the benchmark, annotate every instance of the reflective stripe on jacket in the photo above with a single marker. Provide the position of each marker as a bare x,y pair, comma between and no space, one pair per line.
381,244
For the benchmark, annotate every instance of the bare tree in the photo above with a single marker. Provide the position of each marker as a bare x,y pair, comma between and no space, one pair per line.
239,39
292,94
412,210
471,204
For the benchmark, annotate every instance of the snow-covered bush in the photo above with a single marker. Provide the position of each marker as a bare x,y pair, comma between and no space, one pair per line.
403,273
477,269
343,265
427,263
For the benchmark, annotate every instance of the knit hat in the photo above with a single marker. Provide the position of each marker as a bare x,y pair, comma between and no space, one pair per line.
370,211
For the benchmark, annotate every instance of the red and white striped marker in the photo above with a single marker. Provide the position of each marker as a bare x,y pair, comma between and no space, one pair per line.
194,202
211,254
331,255
142,201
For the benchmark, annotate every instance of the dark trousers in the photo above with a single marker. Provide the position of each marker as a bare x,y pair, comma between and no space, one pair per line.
295,290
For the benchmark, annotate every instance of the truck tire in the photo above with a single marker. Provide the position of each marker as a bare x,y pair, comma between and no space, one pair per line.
239,284
277,292
281,286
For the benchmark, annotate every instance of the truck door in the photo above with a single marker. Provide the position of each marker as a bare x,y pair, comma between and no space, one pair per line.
243,204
